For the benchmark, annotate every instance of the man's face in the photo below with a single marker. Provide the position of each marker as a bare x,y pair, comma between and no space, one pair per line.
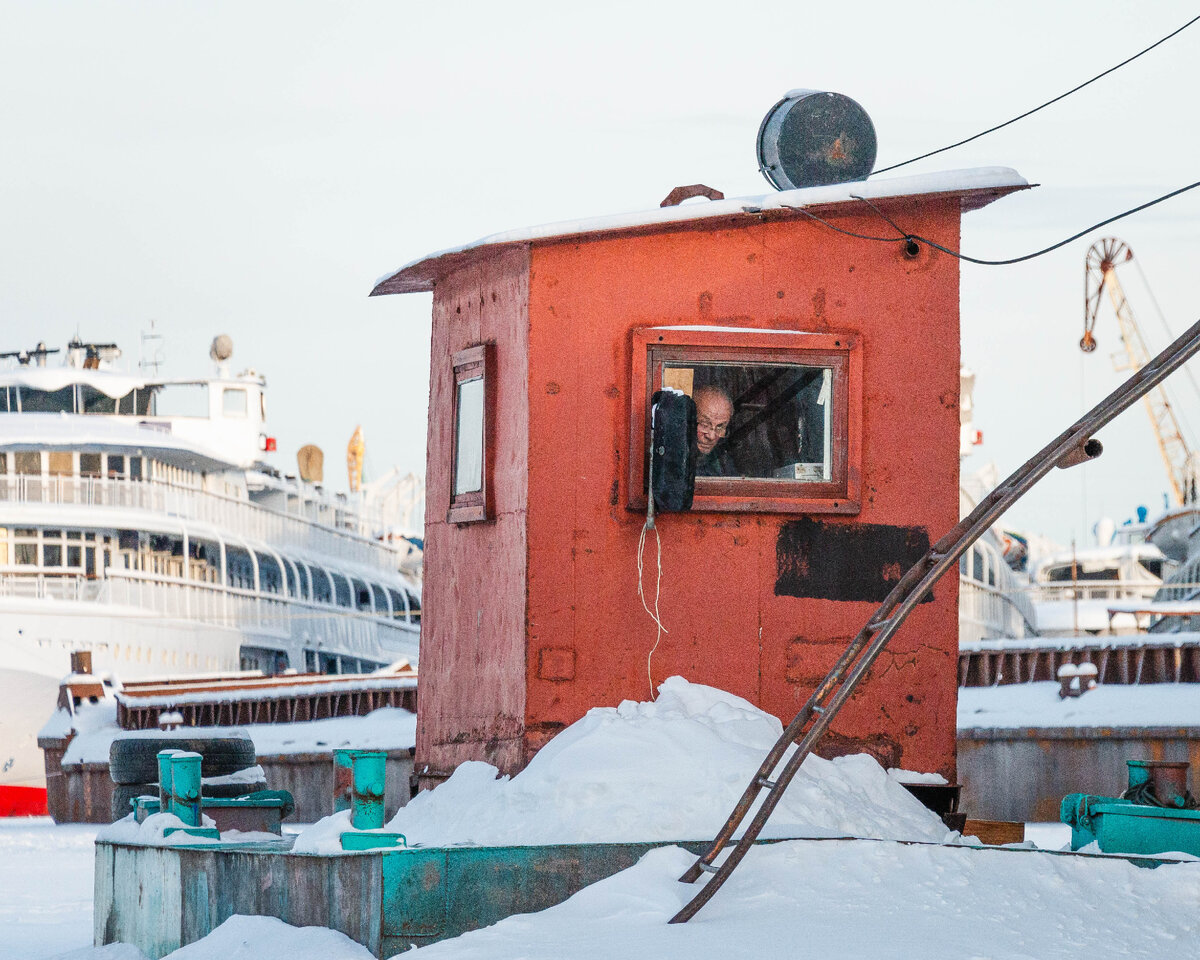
713,413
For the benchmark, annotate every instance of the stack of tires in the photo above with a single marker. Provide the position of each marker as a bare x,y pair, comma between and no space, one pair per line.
133,766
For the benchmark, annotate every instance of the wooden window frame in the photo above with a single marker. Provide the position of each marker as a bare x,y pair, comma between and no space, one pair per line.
475,506
652,346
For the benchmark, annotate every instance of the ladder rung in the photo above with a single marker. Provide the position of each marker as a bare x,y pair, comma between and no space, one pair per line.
707,867
764,782
818,710
879,624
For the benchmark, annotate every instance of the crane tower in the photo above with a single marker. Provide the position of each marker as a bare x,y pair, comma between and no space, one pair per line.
1100,273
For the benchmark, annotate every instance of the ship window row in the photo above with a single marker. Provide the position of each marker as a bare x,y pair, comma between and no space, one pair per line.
160,400
115,466
86,552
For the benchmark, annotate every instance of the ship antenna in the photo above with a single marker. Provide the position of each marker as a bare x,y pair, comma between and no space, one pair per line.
156,359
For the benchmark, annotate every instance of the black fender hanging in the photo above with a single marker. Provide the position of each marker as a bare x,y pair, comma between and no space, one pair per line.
672,454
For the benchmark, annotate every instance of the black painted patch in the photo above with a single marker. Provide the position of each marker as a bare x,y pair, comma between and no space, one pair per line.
835,561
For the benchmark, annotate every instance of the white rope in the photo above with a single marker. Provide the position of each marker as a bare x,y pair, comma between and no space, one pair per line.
649,525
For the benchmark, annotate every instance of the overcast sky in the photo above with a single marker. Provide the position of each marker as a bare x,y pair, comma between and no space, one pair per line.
252,168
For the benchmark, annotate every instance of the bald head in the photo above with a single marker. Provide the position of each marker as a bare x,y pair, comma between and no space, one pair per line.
714,410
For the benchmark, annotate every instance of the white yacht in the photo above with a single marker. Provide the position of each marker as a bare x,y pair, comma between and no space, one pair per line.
139,520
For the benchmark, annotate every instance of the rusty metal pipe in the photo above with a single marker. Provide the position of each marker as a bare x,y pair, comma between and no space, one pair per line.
1090,449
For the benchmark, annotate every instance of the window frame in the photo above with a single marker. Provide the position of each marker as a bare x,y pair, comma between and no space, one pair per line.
841,350
472,363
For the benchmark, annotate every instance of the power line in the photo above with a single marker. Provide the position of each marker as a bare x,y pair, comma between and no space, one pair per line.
1048,103
904,236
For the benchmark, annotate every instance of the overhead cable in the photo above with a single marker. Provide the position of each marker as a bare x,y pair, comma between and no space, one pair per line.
1048,103
904,236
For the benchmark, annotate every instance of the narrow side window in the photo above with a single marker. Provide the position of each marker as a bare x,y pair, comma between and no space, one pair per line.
470,491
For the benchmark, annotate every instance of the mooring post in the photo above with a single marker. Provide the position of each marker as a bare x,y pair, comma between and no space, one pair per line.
359,778
164,779
185,786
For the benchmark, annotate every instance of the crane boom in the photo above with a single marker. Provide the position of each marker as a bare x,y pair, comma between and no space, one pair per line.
1100,273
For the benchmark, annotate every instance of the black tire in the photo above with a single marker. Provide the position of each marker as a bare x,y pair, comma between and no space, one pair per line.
135,759
123,793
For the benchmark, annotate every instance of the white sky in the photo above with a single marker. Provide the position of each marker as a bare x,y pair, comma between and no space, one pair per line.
252,168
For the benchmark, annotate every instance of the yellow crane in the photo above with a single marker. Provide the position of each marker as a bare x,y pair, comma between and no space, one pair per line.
355,450
1100,273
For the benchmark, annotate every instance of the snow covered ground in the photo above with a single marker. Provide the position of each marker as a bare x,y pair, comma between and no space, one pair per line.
852,898
1022,705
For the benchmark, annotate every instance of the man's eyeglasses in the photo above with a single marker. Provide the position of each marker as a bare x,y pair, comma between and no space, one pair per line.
720,429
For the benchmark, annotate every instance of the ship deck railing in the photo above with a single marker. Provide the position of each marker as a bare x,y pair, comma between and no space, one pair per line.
213,603
343,536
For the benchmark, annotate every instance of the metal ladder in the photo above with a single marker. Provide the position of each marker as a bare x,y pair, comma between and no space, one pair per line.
1072,446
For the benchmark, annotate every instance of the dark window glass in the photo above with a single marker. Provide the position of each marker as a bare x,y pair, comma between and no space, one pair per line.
322,592
51,555
89,464
342,590
767,420
27,461
48,401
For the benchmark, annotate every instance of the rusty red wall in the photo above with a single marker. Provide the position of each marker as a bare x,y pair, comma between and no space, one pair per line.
588,636
471,682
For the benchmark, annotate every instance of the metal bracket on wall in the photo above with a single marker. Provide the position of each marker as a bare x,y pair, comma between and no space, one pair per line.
1072,446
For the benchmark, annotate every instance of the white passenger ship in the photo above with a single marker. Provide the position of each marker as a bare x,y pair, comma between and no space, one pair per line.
138,520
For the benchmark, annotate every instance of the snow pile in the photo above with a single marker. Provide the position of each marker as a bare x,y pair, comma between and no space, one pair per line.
667,770
151,832
265,938
389,728
114,951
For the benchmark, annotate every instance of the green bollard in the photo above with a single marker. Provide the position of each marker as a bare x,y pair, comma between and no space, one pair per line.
359,780
164,779
185,787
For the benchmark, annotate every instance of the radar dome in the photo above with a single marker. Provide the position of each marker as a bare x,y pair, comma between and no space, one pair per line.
222,348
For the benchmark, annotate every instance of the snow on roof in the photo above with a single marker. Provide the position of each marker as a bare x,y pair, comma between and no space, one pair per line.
109,382
975,187
90,432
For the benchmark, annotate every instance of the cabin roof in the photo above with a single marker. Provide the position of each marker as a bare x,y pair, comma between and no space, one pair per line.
974,188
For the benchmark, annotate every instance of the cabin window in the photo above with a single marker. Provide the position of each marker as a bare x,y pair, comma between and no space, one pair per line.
61,463
240,568
28,462
233,402
322,589
89,464
48,401
778,416
470,493
92,400
180,400
116,465
399,607
341,589
270,578
362,596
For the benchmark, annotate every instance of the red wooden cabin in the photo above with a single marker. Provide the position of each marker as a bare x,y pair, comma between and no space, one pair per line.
840,357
